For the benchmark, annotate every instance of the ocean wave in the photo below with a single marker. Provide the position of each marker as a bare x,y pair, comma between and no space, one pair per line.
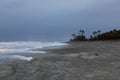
25,47
15,57
15,50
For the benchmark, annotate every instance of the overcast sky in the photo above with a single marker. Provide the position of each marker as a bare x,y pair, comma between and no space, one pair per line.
56,19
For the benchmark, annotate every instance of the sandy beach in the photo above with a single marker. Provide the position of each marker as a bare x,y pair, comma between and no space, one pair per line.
98,60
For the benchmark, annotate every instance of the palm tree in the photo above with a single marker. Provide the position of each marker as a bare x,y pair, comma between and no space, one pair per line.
91,37
115,30
94,33
81,32
99,32
73,35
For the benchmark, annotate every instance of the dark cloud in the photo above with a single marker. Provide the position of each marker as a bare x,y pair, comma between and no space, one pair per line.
55,19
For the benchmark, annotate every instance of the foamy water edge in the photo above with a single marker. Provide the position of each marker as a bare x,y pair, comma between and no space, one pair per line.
13,50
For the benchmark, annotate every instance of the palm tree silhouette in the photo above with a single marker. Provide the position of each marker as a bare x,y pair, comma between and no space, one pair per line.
94,33
73,35
81,32
99,32
91,37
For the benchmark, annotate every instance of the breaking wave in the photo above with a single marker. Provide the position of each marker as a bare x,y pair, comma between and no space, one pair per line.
13,50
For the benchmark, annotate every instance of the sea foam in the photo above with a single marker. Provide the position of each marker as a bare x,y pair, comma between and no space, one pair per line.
25,47
16,50
15,57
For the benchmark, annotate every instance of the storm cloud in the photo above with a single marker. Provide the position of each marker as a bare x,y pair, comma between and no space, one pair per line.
55,19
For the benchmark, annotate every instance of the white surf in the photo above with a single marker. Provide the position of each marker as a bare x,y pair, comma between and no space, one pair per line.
16,50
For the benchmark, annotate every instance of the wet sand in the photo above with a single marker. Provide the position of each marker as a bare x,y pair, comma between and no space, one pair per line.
98,60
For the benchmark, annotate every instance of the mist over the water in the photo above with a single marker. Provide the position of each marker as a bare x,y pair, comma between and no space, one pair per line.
55,20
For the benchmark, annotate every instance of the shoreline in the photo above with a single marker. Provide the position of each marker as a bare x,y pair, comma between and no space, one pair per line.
77,61
10,51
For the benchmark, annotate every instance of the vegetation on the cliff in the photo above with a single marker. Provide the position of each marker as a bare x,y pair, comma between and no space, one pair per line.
97,35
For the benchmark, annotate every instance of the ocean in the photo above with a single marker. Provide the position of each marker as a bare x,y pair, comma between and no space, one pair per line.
16,50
